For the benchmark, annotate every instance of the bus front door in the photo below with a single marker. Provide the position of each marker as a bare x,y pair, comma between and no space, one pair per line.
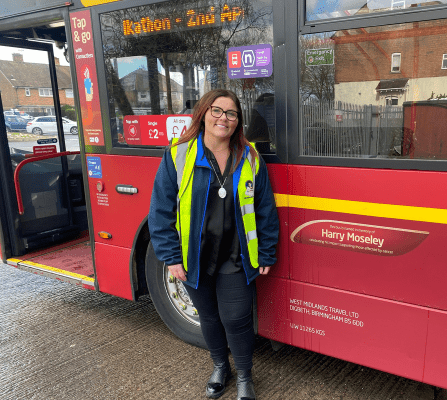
42,194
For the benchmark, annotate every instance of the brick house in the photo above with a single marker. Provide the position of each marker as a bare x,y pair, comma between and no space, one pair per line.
138,92
27,86
388,65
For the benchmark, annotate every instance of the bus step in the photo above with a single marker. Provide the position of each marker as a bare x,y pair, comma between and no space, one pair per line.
48,238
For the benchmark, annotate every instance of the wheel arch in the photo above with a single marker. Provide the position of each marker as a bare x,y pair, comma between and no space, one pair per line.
138,261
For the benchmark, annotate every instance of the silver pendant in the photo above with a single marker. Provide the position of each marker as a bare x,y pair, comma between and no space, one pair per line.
222,193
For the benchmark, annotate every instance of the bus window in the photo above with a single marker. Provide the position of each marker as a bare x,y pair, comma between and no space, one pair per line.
161,58
325,10
376,92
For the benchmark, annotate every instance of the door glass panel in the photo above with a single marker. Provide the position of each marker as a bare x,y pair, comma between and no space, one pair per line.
375,92
29,111
161,59
28,101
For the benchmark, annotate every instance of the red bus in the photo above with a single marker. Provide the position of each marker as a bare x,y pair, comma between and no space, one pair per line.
359,178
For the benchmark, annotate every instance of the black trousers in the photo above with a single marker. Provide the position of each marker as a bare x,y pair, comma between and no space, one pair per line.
224,303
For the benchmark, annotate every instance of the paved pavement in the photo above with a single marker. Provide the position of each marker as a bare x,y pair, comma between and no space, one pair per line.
59,341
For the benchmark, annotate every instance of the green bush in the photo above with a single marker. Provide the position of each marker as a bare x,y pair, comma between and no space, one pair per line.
68,112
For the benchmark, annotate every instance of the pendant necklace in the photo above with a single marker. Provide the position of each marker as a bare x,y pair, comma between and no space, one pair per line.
222,192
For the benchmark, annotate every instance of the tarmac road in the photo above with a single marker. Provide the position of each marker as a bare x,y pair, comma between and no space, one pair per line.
59,341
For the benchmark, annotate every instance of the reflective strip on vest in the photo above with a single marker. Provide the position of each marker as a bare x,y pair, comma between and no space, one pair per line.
184,157
247,209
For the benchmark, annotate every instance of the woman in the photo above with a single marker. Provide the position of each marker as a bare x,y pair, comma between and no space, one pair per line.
212,191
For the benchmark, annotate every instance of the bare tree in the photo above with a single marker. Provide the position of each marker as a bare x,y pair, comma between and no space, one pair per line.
316,81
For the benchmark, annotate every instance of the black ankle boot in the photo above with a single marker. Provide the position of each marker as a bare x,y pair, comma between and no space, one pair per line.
245,386
220,376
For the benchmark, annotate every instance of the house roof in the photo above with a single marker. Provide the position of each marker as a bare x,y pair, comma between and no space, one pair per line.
23,74
392,84
131,81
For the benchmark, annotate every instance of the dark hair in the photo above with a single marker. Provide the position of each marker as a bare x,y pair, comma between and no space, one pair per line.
237,140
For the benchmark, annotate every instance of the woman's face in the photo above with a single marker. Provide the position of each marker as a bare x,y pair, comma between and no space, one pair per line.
220,128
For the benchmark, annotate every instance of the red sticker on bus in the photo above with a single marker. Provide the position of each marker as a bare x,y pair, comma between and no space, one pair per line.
371,239
154,130
84,59
131,129
44,150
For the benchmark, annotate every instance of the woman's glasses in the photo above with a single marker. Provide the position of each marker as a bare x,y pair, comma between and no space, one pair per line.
216,112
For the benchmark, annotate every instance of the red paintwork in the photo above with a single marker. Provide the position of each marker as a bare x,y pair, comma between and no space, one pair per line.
403,187
436,354
397,297
121,215
392,338
393,296
413,277
279,180
124,213
112,270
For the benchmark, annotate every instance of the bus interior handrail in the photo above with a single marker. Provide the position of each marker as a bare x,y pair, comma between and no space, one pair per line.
30,160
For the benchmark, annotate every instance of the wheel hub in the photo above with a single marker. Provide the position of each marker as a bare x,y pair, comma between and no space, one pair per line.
179,297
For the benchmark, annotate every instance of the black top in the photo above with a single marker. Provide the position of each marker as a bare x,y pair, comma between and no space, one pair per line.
220,249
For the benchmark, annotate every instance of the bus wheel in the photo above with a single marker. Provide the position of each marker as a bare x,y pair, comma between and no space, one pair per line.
172,301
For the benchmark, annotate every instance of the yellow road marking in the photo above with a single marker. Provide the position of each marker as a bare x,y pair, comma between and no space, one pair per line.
409,213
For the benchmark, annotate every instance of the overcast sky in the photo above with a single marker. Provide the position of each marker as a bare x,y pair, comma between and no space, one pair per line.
31,56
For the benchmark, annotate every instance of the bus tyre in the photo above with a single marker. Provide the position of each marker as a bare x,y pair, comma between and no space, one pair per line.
172,302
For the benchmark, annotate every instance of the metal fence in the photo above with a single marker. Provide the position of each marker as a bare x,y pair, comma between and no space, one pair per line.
341,129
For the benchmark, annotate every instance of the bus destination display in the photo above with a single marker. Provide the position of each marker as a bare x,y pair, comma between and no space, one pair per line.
192,18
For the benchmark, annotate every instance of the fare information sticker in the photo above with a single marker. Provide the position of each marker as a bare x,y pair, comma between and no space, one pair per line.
154,130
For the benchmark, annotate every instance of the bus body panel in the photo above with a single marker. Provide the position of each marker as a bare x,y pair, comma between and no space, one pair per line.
436,353
383,186
120,214
386,252
377,333
278,174
112,270
272,313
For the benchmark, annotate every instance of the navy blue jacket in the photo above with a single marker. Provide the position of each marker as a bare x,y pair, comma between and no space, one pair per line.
162,216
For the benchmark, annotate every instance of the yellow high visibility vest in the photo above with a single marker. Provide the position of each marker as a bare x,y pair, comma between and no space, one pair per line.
184,157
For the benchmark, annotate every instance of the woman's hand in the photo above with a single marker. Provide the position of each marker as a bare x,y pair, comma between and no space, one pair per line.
178,271
264,270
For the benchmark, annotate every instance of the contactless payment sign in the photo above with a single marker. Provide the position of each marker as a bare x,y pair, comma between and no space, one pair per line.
250,61
154,130
84,59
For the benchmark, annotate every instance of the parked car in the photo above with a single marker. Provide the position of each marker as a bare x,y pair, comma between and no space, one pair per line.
47,124
14,123
17,113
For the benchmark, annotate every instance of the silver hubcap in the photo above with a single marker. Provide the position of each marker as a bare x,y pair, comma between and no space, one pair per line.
179,298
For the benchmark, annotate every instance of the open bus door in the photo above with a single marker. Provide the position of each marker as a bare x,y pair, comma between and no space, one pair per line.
42,208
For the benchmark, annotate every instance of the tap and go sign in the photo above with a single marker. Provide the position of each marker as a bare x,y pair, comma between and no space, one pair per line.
81,27
250,61
154,130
